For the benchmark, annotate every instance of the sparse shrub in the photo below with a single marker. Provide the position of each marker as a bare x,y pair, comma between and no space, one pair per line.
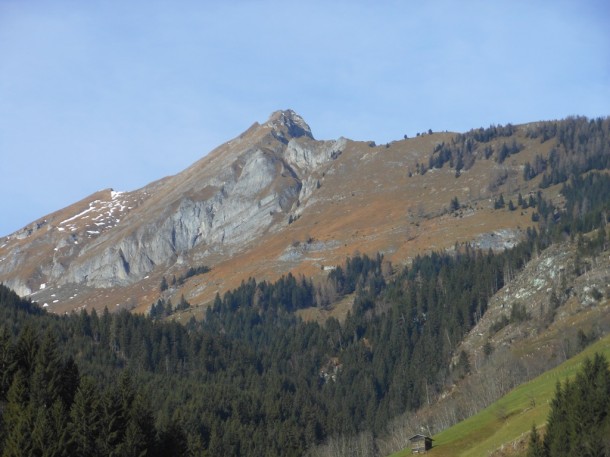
596,294
501,413
454,205
498,178
488,348
518,313
499,325
583,339
463,367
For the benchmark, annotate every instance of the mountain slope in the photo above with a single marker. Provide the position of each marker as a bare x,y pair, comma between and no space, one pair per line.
505,425
214,208
415,335
275,200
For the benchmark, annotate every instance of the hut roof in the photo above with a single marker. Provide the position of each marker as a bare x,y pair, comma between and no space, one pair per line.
420,436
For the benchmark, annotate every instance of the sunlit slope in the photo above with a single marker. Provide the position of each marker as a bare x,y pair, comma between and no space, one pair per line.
509,419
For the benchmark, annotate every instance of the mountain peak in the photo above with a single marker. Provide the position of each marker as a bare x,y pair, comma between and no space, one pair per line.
287,124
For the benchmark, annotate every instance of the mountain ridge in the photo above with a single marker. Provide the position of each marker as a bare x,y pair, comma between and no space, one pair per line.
271,200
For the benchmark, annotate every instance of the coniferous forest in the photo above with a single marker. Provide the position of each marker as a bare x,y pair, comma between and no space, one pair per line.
254,379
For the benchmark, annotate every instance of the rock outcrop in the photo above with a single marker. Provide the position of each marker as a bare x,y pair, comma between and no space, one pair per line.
220,204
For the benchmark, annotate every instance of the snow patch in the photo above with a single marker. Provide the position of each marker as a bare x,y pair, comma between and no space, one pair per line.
82,213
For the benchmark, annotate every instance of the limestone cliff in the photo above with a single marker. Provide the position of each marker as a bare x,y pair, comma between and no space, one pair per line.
239,191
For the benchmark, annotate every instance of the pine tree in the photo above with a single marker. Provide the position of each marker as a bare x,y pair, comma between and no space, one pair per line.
535,448
113,423
579,419
49,433
47,376
70,380
499,203
85,420
26,350
164,285
140,436
19,420
8,364
173,441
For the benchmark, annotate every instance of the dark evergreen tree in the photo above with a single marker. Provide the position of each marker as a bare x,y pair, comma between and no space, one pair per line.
8,363
18,417
163,287
85,421
535,446
580,413
47,375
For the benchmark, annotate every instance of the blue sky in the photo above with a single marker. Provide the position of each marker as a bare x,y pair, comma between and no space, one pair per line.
97,94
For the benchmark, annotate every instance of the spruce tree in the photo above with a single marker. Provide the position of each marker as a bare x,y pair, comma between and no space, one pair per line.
49,433
579,420
19,419
85,420
8,363
536,448
47,375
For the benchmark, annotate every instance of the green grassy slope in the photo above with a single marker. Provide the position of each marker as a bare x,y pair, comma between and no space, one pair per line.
510,417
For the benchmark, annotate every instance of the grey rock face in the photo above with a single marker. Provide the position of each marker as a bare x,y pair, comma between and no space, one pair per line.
225,203
308,155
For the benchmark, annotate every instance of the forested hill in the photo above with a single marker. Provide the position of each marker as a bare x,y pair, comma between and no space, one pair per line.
254,379
252,370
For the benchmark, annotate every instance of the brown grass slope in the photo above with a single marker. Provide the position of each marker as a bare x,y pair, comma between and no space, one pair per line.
369,199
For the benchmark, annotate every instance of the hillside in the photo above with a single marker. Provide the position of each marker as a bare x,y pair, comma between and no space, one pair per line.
332,295
543,340
502,355
270,201
503,428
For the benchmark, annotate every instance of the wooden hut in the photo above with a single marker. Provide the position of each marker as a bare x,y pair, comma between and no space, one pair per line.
420,444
